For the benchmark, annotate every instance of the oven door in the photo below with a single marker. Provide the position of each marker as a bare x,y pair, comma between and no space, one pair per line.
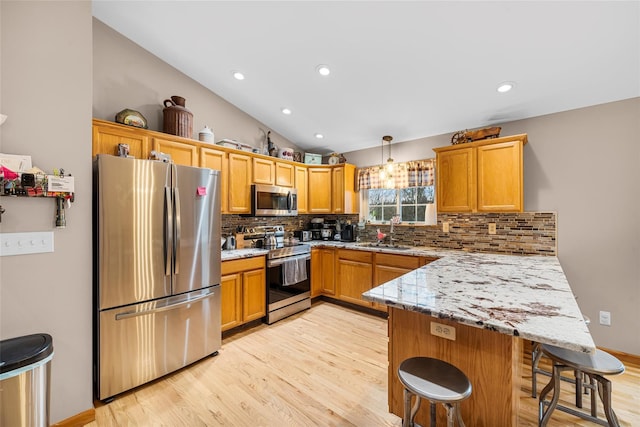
285,284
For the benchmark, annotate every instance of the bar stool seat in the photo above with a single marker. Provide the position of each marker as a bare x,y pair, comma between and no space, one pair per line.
438,382
595,366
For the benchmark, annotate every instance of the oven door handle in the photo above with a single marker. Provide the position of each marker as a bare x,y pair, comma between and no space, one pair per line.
279,261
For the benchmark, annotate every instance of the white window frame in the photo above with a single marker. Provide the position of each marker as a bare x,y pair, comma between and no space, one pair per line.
430,214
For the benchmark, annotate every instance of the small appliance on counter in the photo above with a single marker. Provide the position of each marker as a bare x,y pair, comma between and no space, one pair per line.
303,235
348,233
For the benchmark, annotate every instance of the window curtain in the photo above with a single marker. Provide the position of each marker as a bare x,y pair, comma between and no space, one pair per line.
419,173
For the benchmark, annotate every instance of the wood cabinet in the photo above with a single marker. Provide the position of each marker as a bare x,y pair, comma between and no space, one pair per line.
243,291
302,186
239,200
344,198
354,275
285,174
217,160
264,171
181,153
481,176
107,136
323,271
319,190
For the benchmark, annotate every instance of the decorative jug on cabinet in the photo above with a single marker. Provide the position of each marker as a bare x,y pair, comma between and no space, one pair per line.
177,119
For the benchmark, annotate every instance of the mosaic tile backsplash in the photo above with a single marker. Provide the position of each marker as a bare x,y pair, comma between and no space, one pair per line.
521,233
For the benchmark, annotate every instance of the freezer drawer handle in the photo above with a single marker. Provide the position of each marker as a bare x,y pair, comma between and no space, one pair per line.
129,314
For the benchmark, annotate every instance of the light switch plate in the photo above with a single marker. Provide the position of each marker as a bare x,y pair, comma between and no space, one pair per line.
26,243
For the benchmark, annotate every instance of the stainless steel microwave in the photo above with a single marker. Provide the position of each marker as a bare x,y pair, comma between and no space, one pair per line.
269,200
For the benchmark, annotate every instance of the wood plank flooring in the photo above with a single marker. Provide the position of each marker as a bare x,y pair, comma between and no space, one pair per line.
326,366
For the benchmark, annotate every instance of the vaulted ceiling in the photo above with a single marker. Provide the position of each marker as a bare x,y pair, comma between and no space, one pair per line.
410,69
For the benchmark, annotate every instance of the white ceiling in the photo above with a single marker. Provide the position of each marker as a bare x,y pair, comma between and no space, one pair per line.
409,69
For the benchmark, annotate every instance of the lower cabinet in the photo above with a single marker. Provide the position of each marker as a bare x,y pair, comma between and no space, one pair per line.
323,272
354,275
243,291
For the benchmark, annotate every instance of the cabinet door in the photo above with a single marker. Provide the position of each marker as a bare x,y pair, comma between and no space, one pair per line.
316,272
337,190
239,200
456,184
217,160
231,300
285,176
354,276
328,271
302,187
181,153
264,171
500,181
254,295
107,138
319,190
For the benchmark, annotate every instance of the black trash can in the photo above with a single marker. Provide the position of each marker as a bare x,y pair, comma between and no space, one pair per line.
25,372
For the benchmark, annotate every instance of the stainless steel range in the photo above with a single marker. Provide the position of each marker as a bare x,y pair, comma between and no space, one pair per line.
288,272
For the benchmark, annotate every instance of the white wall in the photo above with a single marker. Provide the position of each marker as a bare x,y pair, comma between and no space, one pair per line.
585,165
46,84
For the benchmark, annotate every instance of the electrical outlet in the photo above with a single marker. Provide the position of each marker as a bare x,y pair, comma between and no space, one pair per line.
445,227
605,318
443,331
492,228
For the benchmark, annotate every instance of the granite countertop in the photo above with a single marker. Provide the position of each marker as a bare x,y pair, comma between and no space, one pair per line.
228,255
525,296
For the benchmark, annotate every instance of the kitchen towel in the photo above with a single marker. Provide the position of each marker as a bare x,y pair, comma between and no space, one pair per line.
294,271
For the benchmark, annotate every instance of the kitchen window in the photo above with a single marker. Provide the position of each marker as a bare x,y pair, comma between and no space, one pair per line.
408,192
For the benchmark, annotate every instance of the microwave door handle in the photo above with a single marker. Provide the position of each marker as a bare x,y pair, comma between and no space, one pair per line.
289,201
168,231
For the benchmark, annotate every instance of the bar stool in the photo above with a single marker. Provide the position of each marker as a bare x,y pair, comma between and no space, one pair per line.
536,354
438,382
595,367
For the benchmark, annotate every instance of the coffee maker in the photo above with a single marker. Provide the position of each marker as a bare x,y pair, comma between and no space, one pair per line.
348,233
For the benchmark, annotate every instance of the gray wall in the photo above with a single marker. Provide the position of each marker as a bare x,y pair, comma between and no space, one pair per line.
127,76
46,85
584,165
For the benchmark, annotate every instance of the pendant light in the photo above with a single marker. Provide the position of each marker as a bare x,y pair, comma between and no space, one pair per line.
387,169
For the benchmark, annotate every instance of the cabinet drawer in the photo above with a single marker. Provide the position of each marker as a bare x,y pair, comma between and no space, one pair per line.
245,264
360,256
402,261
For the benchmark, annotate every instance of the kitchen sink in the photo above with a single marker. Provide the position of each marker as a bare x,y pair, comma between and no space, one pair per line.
383,246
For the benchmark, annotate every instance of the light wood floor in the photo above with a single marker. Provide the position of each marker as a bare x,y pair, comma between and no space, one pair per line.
326,366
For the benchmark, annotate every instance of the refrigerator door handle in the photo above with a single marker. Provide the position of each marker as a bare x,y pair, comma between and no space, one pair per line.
178,229
168,231
130,314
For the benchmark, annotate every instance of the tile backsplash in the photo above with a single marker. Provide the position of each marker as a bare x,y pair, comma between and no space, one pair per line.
520,233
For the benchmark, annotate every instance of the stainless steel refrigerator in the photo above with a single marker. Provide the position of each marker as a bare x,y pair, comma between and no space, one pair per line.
157,270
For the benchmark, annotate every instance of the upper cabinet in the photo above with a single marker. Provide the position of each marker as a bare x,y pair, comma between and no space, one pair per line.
107,136
217,160
239,184
264,171
319,189
481,176
285,174
343,194
181,153
302,185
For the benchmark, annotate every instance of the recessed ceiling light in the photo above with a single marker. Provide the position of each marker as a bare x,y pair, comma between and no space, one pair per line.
323,70
319,135
505,87
286,111
238,75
